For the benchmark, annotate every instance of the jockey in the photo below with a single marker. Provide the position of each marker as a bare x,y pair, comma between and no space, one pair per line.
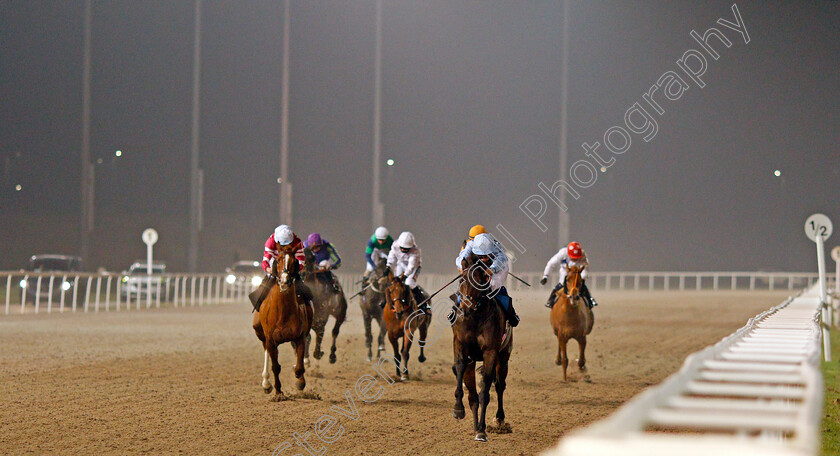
282,240
378,247
490,251
326,258
405,258
571,255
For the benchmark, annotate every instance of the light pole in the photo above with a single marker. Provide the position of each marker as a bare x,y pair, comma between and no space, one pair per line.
86,222
196,175
285,185
378,209
563,220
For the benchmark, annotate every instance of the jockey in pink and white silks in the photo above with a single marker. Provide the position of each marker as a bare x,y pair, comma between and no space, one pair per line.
405,258
489,250
571,255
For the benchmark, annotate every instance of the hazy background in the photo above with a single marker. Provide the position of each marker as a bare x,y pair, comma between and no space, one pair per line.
470,114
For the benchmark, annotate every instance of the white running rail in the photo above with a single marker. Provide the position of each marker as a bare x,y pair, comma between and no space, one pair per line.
757,392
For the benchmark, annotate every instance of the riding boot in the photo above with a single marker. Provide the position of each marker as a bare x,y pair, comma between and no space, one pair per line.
333,280
420,296
303,291
258,296
553,296
590,301
507,306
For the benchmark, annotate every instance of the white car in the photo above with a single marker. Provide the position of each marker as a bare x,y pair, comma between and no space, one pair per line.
136,281
245,272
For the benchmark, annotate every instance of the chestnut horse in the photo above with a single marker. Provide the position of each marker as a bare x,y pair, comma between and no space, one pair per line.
571,318
282,318
326,301
370,300
478,336
402,319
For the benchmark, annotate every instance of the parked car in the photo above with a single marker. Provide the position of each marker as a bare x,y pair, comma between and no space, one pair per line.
245,272
137,281
57,266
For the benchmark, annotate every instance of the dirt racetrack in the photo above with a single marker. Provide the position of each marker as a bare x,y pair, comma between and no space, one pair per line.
186,381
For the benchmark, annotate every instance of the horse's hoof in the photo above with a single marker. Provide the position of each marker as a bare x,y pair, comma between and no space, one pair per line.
318,354
557,361
333,358
381,348
267,389
404,377
279,397
421,358
481,437
459,414
367,357
583,368
306,361
301,383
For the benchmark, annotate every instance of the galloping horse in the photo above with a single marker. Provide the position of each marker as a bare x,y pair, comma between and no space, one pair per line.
402,318
478,335
282,318
370,300
571,319
326,301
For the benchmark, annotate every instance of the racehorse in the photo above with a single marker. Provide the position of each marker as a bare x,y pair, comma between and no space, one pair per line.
326,301
571,318
370,301
402,319
478,335
283,318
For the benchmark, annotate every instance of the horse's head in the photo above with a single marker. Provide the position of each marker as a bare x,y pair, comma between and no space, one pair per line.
284,269
397,295
379,278
474,284
308,260
574,282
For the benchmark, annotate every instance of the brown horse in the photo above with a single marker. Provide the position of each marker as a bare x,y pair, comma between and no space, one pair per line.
282,318
478,335
326,301
370,300
402,319
571,319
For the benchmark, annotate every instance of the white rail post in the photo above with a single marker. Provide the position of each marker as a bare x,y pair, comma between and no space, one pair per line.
818,228
826,315
9,292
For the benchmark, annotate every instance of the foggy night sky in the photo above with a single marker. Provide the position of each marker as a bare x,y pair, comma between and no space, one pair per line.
470,114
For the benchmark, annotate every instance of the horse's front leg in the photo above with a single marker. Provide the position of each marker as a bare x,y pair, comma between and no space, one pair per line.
501,384
564,354
472,393
266,384
458,368
424,329
339,320
319,336
275,367
484,396
582,360
406,346
300,350
368,335
381,340
395,346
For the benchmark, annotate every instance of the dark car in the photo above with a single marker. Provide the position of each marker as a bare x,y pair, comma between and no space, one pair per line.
60,267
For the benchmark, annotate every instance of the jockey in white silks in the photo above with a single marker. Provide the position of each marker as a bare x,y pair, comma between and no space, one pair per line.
571,255
405,259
